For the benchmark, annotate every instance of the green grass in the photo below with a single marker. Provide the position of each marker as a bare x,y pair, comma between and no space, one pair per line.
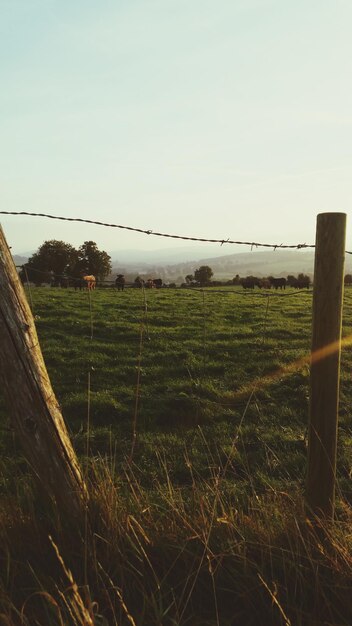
205,524
198,357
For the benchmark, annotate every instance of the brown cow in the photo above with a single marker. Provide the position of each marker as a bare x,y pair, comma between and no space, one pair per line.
90,281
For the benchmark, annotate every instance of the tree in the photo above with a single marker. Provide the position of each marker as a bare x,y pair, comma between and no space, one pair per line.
189,279
203,275
91,260
52,258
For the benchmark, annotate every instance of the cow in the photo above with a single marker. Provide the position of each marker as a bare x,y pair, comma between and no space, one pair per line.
90,282
78,283
278,283
249,282
264,283
139,282
302,283
120,282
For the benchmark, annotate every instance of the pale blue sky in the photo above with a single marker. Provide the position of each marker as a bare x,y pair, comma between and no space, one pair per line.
215,119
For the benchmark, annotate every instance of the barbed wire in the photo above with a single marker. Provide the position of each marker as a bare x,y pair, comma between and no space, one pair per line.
252,244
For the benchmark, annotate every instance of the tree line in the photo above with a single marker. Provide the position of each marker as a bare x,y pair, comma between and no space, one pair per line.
61,260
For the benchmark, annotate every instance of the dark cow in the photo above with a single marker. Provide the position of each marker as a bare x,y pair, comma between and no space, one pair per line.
139,282
278,283
264,283
78,283
250,282
247,283
291,281
302,283
120,282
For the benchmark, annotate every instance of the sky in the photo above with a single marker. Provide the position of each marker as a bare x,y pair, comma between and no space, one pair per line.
227,119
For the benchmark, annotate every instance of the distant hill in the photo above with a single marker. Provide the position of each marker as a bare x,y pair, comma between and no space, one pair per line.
257,263
263,263
167,256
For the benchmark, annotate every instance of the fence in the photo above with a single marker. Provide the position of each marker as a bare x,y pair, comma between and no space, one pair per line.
324,365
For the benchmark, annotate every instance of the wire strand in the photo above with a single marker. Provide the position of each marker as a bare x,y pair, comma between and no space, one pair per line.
252,244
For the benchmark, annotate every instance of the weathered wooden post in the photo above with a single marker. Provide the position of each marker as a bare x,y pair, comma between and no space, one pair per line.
325,363
30,399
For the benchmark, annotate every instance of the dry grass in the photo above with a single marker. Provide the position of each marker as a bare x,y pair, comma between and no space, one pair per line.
173,556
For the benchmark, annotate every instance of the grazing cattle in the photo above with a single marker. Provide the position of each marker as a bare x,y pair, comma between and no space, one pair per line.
302,283
90,282
120,282
139,282
278,283
249,282
291,281
78,283
264,283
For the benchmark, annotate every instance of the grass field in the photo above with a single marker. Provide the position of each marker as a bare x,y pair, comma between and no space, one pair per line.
193,408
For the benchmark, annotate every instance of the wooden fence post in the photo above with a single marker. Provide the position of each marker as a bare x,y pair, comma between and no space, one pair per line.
31,403
325,363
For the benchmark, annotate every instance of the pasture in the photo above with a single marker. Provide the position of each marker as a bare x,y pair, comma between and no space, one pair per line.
188,410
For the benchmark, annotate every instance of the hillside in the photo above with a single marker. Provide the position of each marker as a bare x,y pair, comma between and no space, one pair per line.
259,263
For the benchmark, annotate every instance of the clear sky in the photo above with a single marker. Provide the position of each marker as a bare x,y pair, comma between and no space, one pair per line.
226,118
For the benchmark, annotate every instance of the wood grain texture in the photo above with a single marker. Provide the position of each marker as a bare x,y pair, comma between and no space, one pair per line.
30,399
325,363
